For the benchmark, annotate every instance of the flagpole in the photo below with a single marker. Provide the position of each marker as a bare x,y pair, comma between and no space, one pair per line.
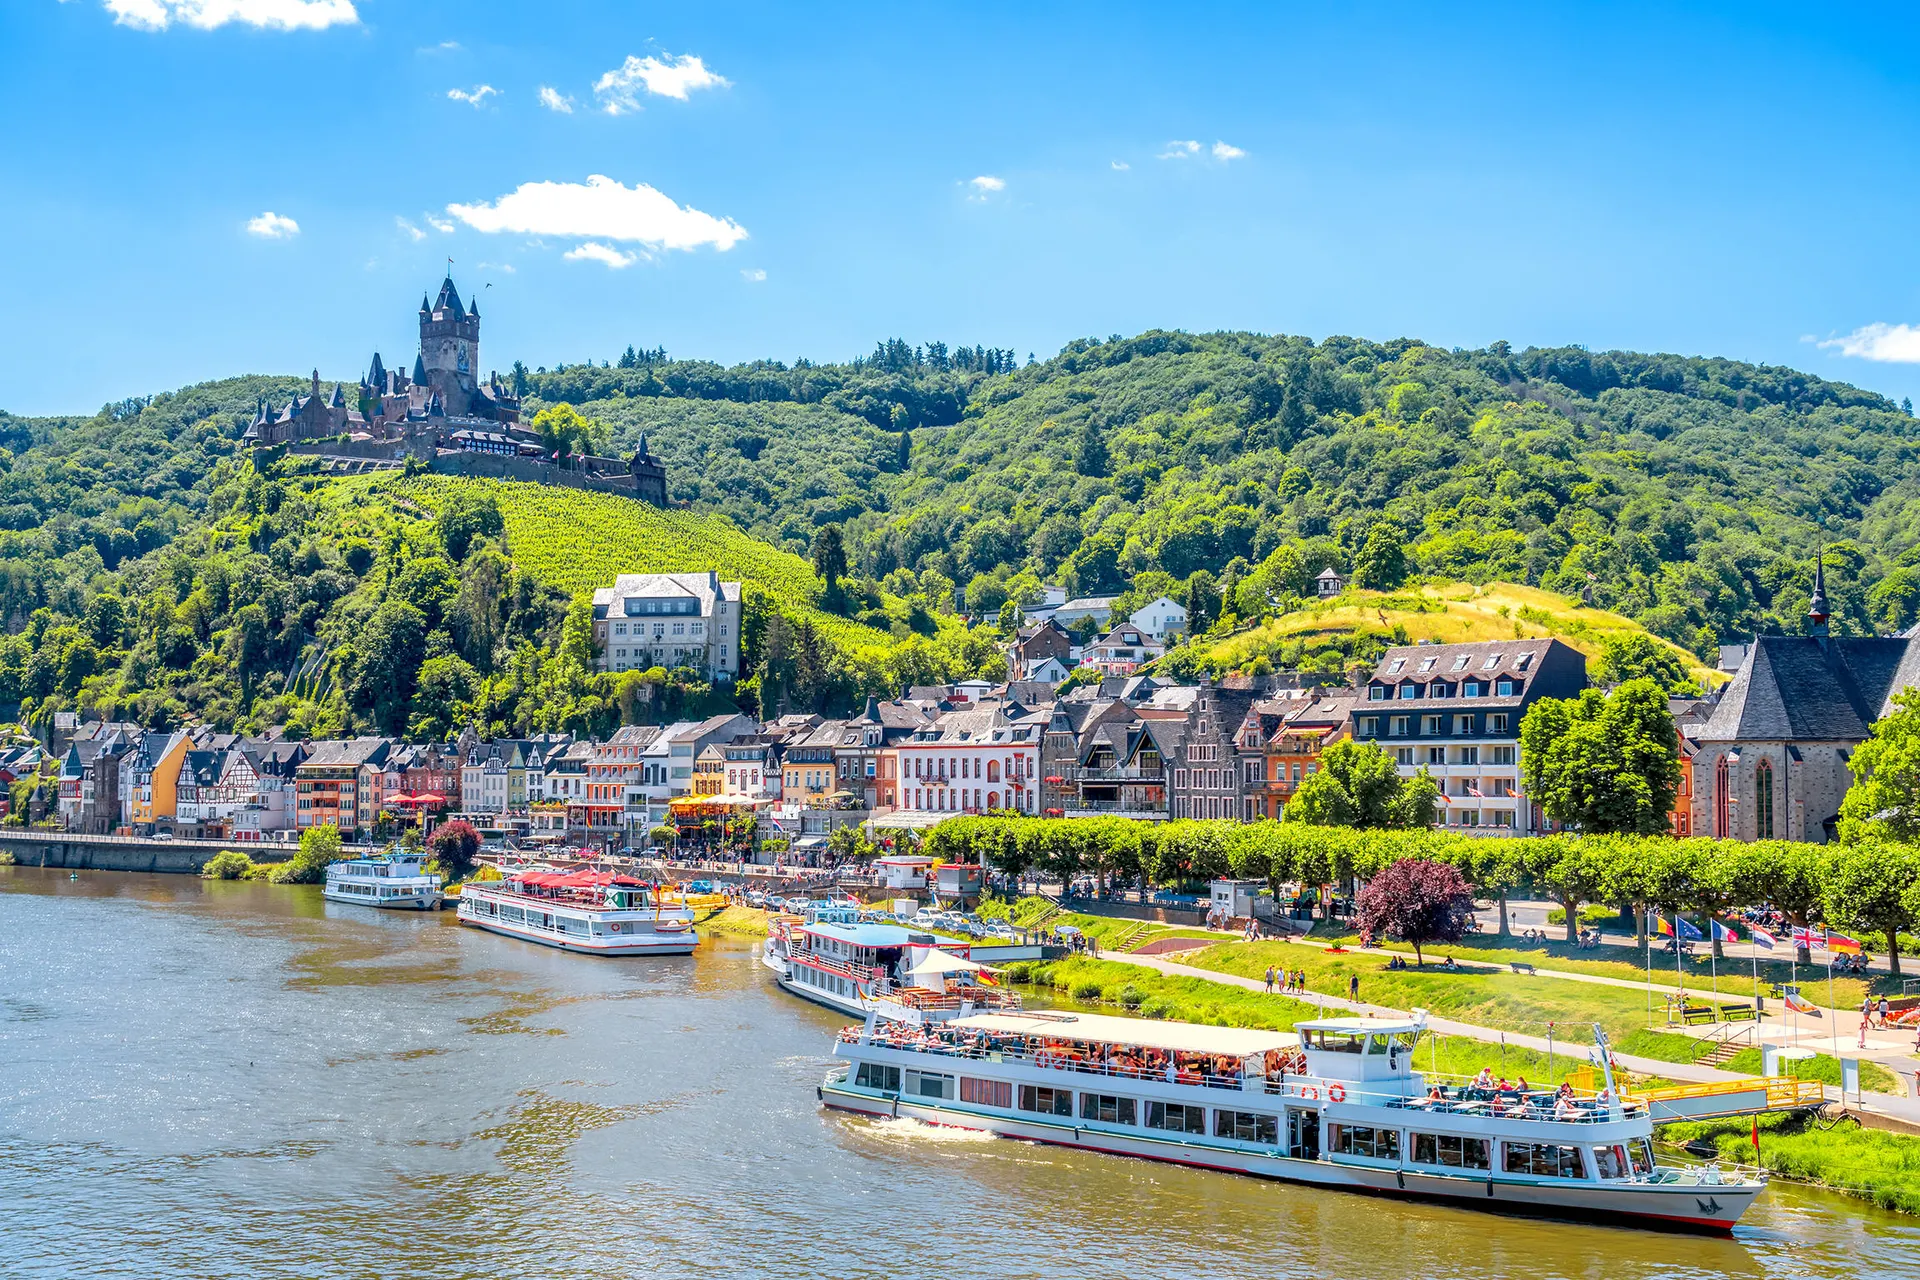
1649,934
1713,956
1834,1030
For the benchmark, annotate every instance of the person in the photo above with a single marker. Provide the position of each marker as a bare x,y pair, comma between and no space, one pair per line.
1563,1108
1883,1012
1269,979
1522,1085
1450,964
1485,1079
1353,987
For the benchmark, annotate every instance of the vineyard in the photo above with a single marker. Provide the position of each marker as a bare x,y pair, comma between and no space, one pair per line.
576,540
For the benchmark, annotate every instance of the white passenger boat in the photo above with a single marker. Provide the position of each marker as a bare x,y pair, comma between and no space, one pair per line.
832,957
1334,1103
594,912
396,882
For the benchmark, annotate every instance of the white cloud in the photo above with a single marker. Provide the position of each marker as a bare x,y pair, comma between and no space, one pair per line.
987,182
1226,151
273,226
753,275
554,100
602,209
445,46
504,267
1120,164
1181,150
285,15
594,251
1886,343
619,90
475,96
417,234
440,224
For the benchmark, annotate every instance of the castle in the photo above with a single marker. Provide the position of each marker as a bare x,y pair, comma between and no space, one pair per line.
444,415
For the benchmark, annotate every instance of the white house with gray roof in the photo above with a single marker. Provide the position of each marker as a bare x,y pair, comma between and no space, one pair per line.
669,620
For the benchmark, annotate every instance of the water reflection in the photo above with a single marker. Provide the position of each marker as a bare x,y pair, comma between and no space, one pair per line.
217,1080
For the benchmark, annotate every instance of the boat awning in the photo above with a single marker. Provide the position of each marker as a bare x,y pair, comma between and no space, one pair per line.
1363,1026
576,879
1150,1033
946,962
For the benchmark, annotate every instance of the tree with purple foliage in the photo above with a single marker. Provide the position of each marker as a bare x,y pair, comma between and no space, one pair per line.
1416,901
454,845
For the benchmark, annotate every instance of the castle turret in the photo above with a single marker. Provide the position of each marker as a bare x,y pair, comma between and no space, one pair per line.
450,349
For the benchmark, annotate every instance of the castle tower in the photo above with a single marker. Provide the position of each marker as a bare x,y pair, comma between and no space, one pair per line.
450,348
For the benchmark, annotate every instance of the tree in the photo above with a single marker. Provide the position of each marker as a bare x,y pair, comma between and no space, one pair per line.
1202,602
1870,886
1382,562
830,556
1359,785
1418,902
463,518
386,667
1008,623
318,847
565,430
1091,460
1603,762
447,685
454,845
1884,801
1635,655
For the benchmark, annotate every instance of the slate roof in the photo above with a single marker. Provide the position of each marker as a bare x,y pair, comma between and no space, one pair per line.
1812,689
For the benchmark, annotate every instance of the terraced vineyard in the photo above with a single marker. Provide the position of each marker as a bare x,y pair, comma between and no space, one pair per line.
576,540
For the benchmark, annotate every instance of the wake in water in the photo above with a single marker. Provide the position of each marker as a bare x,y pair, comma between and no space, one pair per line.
907,1129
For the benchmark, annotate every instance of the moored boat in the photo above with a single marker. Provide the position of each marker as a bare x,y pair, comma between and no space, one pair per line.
1333,1103
397,882
832,957
591,912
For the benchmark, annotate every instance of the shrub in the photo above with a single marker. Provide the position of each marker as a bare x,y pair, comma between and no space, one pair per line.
318,847
1086,989
6,859
454,845
1131,997
1019,971
1040,975
228,864
1155,1007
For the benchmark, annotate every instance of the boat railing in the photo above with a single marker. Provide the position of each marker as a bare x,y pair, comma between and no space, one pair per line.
943,1001
845,969
1540,1105
1059,1061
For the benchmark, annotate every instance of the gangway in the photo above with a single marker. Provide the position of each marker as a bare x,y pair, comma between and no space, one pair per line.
1722,1098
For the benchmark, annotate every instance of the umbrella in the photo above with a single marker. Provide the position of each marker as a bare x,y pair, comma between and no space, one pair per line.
430,797
943,962
403,798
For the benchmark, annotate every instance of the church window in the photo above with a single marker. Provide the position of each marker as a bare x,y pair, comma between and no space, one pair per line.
1721,800
1763,800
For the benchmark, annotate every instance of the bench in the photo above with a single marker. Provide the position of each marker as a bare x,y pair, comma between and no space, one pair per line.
1520,966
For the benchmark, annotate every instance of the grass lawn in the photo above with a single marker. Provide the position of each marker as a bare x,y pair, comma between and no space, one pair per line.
1105,931
746,922
1874,1165
1668,1047
1630,964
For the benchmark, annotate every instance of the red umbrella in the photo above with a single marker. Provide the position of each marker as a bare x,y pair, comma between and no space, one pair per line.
403,798
430,797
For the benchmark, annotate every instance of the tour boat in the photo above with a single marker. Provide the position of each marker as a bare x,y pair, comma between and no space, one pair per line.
832,958
1334,1103
594,912
398,881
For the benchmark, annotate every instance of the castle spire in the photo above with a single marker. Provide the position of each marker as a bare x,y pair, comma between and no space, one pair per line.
1817,610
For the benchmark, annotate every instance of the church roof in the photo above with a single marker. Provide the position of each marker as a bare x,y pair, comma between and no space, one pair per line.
339,401
1812,689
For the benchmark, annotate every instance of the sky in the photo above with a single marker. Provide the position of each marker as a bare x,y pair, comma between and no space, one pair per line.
193,189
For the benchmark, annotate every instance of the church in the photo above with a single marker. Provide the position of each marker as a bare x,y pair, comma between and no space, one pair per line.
443,390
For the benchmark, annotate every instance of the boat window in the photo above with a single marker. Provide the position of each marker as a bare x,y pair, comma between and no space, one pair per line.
986,1093
1247,1126
1048,1102
928,1084
1359,1140
1107,1108
1333,1041
1175,1118
1545,1160
1610,1162
1451,1151
874,1075
1641,1151
1376,1045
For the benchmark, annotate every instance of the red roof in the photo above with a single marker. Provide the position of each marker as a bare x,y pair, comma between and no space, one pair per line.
576,879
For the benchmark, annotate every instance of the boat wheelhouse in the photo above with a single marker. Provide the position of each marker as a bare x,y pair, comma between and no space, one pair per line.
593,912
832,957
1334,1103
398,882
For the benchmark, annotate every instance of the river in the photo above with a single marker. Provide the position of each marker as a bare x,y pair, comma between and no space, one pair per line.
218,1080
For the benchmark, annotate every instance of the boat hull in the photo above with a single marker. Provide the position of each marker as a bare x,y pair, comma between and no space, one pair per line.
424,900
1683,1208
645,944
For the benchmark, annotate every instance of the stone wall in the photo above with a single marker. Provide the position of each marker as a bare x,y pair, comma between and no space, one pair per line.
109,853
1806,792
494,466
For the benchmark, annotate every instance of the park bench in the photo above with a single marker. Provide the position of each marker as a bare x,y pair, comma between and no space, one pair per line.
1695,1014
1520,966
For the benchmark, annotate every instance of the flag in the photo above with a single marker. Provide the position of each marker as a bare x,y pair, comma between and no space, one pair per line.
1841,944
1687,930
1803,937
1474,791
1798,1005
1761,938
1756,1135
1663,927
1721,933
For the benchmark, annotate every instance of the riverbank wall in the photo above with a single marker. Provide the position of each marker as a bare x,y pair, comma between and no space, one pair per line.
108,853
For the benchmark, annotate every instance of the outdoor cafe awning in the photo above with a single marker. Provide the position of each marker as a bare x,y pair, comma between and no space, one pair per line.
946,962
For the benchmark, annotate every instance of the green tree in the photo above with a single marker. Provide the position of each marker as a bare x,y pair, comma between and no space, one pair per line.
1884,800
830,556
1092,459
318,847
1603,762
447,684
1382,562
464,517
1869,886
1359,785
386,666
565,430
1635,655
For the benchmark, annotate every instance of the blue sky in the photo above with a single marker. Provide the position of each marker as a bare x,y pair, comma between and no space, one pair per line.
792,180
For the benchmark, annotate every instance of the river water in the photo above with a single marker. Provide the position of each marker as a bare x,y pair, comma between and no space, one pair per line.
236,1080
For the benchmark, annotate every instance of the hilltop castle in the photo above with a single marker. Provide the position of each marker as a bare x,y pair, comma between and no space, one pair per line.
443,414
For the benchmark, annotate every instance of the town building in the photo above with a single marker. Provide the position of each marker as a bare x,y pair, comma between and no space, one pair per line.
1121,651
647,620
1455,711
1328,583
808,771
1162,618
1210,777
978,759
338,784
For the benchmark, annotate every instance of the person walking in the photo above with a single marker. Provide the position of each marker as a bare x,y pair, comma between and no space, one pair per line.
1353,988
1883,1011
1269,979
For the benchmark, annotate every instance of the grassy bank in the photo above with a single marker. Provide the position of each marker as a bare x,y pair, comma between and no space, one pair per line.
1668,1047
1109,933
1876,1166
1131,989
745,922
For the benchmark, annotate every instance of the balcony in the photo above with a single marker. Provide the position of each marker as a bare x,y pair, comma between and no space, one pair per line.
1153,777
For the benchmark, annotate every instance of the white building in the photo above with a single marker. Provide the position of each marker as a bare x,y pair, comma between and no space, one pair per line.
975,760
669,620
1160,618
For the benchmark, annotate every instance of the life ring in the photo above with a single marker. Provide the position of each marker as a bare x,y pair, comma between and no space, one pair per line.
617,927
1336,1093
1311,1091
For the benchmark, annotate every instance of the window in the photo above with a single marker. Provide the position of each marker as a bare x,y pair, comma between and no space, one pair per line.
1640,1151
1426,664
1436,755
1472,689
1520,663
1247,1126
1403,755
1504,688
1610,1162
1469,755
1430,725
872,1075
1105,1108
1763,800
1358,1140
1544,1160
986,1093
1048,1102
1460,663
928,1084
1497,723
1492,662
1451,1151
1377,693
1401,726
1180,778
1408,692
1399,665
1369,726
1463,725
1499,755
1174,1118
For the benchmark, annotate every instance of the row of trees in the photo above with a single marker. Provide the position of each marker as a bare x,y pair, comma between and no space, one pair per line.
1872,885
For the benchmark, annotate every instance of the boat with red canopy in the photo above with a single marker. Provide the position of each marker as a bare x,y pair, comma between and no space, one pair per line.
600,913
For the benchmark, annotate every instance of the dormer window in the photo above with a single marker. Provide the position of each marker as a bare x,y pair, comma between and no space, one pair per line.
1426,664
1398,665
1493,660
1409,691
1460,663
1378,693
1505,688
1520,663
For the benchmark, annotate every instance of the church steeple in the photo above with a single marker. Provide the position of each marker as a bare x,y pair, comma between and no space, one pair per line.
1817,610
